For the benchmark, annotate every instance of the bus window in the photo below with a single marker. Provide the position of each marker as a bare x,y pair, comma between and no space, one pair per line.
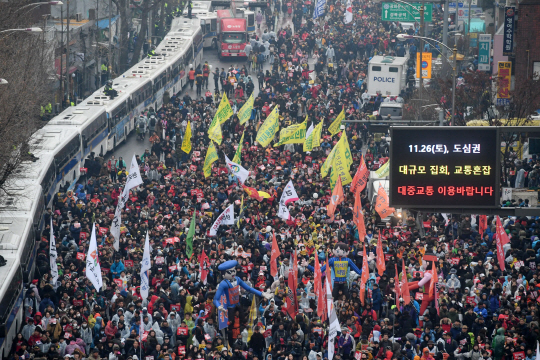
9,299
213,24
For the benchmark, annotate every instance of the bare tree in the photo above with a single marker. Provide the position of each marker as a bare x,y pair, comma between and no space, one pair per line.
524,100
24,64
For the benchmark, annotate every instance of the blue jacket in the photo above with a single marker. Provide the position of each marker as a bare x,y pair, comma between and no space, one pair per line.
44,304
377,299
117,267
494,303
480,311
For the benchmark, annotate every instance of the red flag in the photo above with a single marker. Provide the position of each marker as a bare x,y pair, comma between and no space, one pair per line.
381,265
358,217
382,205
437,300
365,276
336,199
501,237
274,256
252,192
321,303
396,282
482,226
405,284
329,276
500,232
204,265
361,177
291,292
295,278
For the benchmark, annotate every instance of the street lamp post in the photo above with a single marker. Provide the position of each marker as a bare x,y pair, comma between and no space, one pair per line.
403,37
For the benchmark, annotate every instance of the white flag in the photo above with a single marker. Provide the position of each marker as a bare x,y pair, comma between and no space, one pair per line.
145,266
537,351
237,170
288,195
348,19
334,323
226,218
93,269
53,255
133,180
309,131
319,9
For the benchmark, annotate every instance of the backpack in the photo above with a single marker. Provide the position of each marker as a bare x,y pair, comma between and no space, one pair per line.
153,122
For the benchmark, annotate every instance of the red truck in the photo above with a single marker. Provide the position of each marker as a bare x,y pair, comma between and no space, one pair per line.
232,35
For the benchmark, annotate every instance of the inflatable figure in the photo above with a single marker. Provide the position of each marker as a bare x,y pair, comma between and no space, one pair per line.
340,269
228,291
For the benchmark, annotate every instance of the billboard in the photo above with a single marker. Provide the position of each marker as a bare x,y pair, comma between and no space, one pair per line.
505,82
426,65
444,167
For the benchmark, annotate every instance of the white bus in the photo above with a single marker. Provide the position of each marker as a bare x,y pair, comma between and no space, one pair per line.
21,213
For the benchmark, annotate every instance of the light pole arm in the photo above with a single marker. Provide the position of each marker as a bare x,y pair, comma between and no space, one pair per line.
430,39
41,3
27,30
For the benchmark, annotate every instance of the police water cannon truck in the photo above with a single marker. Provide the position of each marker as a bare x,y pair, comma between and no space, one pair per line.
387,75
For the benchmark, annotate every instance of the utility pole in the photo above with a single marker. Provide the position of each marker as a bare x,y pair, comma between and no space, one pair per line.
110,39
62,58
96,49
421,50
445,25
67,55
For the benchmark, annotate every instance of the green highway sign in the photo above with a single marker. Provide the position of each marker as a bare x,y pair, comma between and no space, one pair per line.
392,11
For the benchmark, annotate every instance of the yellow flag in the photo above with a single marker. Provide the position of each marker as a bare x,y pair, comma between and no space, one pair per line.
241,208
316,142
224,110
269,128
294,134
328,162
211,157
334,127
383,170
341,163
347,151
244,114
214,132
252,317
186,142
238,155
314,139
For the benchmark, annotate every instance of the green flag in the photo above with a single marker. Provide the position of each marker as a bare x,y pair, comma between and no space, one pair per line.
189,239
238,155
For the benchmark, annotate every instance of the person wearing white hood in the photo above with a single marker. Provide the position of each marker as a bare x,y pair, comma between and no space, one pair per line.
174,322
454,282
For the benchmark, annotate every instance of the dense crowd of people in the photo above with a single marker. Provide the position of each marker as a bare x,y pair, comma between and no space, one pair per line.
482,313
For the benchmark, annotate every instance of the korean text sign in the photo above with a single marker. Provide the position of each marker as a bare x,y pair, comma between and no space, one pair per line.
505,80
509,24
444,167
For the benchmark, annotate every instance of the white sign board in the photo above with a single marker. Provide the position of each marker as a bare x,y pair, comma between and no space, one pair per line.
506,193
